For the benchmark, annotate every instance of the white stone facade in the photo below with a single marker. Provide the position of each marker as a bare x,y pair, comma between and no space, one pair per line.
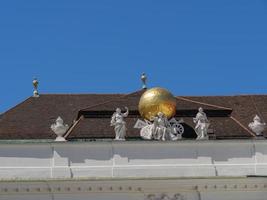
133,159
201,170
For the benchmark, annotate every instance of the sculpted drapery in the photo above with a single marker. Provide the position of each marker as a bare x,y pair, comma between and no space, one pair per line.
117,120
202,124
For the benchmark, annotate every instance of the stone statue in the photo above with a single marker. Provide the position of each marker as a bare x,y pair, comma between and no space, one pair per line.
202,125
160,128
117,120
257,126
59,129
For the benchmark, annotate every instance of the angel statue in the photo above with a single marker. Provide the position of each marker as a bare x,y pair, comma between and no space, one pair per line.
117,120
202,124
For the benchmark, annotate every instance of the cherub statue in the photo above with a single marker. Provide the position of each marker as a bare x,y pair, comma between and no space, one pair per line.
117,120
202,124
257,126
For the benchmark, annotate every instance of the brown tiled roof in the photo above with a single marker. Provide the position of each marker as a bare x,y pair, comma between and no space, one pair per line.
229,115
245,107
32,118
131,101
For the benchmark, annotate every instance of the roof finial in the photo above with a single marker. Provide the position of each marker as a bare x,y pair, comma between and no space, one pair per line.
257,126
144,78
35,86
59,129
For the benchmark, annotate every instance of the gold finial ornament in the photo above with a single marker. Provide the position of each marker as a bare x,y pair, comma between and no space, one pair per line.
157,100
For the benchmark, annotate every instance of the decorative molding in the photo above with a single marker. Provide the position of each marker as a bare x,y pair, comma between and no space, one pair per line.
164,196
168,189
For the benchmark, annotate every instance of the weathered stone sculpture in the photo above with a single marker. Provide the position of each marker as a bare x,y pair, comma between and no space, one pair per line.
156,106
202,125
257,126
117,120
59,129
160,128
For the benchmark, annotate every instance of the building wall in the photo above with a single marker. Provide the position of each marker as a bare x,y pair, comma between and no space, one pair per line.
137,189
133,159
134,170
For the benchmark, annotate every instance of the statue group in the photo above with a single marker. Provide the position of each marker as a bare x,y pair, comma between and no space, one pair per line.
159,127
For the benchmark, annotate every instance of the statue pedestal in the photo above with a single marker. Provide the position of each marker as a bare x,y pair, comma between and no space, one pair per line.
60,139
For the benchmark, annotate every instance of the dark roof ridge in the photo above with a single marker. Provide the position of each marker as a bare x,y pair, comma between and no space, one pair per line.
110,100
202,103
234,95
81,94
240,95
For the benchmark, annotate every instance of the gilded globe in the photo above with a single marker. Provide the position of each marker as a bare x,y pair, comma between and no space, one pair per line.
157,100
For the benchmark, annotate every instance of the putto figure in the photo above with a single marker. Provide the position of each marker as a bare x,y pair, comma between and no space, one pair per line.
257,126
117,120
202,125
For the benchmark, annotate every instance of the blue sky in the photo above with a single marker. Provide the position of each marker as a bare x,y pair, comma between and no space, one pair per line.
102,46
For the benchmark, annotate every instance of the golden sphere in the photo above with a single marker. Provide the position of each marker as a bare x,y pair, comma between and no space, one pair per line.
157,100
